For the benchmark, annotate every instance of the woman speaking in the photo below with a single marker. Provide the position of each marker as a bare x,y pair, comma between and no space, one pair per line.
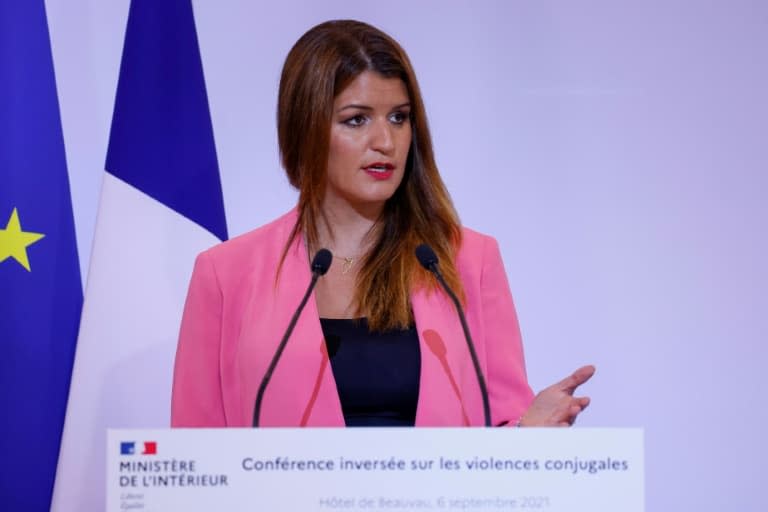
380,341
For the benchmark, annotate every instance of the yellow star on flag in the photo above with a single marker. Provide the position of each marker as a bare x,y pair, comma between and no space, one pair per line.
14,241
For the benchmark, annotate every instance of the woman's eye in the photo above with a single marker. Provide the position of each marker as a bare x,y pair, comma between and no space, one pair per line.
399,117
358,120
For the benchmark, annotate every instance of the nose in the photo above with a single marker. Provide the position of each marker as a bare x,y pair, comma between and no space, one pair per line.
382,138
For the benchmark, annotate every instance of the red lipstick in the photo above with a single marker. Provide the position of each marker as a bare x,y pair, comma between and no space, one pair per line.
380,170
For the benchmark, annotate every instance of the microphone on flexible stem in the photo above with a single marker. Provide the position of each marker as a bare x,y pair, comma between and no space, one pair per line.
320,264
428,260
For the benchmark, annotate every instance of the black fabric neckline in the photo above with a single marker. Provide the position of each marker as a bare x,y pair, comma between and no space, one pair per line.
377,373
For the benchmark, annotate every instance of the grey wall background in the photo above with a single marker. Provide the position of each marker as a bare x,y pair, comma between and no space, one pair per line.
617,150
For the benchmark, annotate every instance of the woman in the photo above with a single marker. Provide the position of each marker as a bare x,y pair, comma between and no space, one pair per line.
380,344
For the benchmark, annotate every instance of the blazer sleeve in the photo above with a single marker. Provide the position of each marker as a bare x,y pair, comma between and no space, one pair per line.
196,399
508,389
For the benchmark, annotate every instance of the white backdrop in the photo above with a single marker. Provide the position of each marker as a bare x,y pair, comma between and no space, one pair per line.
617,150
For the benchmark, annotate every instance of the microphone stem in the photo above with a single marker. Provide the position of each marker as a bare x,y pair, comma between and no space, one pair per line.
470,344
279,351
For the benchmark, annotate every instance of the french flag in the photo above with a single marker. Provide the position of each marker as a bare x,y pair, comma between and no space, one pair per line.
161,204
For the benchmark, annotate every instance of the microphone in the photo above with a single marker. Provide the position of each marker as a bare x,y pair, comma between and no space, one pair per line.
320,265
428,260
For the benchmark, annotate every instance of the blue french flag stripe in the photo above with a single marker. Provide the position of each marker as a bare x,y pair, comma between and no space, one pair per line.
161,141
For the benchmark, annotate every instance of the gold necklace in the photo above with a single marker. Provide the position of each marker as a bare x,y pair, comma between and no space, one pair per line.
347,265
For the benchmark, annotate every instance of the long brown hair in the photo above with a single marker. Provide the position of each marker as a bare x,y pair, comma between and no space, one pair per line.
319,66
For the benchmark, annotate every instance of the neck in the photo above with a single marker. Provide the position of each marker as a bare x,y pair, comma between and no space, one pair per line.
349,230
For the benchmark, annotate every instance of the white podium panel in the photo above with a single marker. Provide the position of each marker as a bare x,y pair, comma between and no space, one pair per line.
375,469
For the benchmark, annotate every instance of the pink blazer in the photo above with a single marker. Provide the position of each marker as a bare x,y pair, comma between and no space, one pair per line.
235,316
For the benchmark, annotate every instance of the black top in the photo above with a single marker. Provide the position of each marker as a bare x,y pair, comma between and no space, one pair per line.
377,373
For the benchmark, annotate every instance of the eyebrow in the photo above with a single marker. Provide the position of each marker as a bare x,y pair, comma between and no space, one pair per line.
368,107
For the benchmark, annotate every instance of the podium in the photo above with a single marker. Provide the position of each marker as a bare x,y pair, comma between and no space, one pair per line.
375,469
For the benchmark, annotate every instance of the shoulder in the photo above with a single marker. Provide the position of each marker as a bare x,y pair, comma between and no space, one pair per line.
478,258
268,236
476,247
252,252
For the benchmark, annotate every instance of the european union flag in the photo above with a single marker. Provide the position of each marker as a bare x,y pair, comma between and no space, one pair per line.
40,287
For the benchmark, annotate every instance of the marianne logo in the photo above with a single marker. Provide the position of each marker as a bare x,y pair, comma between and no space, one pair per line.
129,448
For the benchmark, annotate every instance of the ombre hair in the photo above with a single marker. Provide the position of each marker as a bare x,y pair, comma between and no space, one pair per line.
322,63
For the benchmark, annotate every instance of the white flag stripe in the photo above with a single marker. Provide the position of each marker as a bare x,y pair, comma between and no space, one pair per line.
140,267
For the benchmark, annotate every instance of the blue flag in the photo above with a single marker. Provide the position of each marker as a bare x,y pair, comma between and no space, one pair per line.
40,287
162,139
161,204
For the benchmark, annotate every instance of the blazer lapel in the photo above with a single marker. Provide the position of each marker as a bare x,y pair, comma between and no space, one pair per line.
445,374
302,391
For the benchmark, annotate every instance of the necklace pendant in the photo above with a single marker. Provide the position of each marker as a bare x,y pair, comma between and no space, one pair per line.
347,265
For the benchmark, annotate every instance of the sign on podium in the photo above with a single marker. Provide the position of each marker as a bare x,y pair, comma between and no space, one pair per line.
375,469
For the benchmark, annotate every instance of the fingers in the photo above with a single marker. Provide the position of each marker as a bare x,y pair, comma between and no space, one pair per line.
570,416
557,407
583,374
567,412
576,379
577,407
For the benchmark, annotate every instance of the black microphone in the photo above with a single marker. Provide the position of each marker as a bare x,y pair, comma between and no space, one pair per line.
320,265
428,260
